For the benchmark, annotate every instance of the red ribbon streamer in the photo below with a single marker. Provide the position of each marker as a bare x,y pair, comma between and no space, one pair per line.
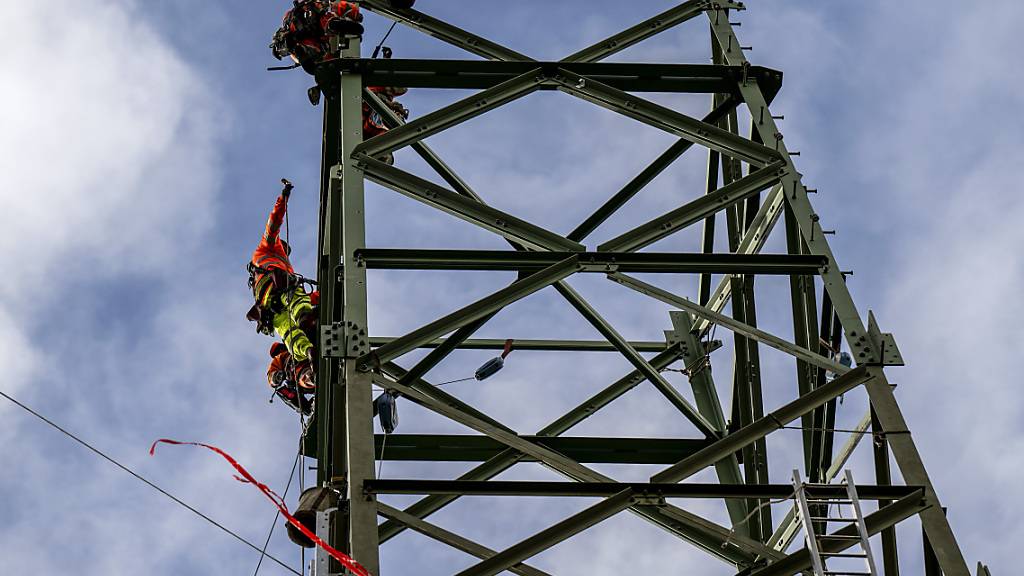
247,478
507,350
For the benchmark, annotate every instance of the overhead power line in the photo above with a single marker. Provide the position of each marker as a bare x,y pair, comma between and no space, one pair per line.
147,482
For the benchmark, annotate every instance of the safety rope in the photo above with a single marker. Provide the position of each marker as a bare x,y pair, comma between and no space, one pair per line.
277,515
380,463
145,481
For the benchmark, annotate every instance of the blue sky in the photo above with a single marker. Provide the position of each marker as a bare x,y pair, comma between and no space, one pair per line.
142,144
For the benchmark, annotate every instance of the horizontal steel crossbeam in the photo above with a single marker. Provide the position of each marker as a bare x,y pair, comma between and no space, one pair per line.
476,74
604,489
513,292
604,262
478,448
538,345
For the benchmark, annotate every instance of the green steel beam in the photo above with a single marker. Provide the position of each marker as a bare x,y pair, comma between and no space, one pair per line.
510,457
603,262
474,448
450,538
482,75
663,161
705,394
639,362
644,30
453,114
549,537
640,489
694,211
761,428
750,243
443,31
883,476
393,120
483,307
805,336
468,209
536,345
346,419
663,118
727,322
712,538
890,416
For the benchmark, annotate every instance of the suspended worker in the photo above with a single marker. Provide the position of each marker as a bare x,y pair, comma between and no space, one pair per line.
282,304
309,27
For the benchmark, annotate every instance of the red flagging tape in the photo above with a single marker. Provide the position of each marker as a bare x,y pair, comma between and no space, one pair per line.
247,478
507,350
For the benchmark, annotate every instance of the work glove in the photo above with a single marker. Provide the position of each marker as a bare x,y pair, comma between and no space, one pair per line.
286,191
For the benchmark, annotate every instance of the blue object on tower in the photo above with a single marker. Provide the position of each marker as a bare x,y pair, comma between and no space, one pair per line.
845,359
494,364
489,368
387,410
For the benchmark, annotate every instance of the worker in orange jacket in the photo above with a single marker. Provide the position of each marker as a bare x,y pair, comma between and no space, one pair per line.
308,27
282,304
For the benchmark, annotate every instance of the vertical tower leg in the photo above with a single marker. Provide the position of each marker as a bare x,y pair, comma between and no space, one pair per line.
345,400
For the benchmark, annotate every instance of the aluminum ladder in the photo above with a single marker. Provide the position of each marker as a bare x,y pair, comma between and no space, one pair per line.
848,513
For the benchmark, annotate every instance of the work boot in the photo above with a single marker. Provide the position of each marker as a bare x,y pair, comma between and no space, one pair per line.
345,27
311,501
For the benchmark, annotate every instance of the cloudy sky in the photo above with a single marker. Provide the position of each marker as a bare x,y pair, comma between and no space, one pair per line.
141,145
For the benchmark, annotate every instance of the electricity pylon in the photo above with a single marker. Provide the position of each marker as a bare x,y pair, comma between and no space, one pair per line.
752,183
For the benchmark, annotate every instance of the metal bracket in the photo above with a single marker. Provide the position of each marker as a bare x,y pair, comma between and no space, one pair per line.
344,340
649,500
323,530
876,347
332,340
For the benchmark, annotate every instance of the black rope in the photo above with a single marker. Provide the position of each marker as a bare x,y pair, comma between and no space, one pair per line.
147,482
277,515
455,381
381,43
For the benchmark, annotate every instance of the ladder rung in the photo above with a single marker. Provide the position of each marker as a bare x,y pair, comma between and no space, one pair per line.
832,519
843,555
838,537
830,573
829,501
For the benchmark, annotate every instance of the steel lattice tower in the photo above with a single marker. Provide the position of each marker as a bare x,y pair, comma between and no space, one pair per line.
752,183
